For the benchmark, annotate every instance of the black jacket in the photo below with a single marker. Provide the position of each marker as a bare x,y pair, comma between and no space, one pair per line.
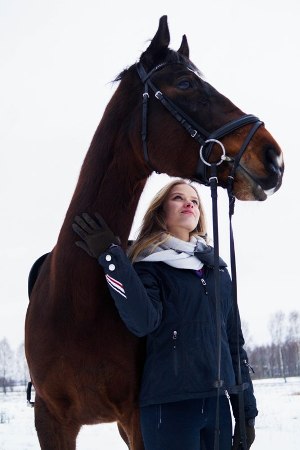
175,309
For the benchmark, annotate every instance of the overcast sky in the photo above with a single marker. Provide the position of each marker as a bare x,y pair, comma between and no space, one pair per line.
57,60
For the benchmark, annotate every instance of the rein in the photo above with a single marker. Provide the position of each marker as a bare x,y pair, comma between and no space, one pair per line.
207,141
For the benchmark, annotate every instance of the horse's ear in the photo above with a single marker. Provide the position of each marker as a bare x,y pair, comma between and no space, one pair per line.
184,47
159,43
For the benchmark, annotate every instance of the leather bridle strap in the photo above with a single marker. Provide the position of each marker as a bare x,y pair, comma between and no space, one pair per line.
195,130
201,172
218,384
238,157
240,387
191,127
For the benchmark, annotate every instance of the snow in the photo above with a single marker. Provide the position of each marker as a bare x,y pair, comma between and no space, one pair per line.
277,426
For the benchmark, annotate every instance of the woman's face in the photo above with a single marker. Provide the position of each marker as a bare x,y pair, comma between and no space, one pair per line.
181,209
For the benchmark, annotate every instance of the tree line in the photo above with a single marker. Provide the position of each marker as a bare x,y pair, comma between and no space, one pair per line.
13,367
280,358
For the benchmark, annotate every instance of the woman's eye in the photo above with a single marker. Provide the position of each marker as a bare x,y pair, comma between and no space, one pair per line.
184,84
195,202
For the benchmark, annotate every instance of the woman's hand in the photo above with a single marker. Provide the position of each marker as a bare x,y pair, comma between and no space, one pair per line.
96,235
250,433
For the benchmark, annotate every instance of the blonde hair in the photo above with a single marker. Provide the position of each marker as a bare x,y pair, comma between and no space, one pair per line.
153,231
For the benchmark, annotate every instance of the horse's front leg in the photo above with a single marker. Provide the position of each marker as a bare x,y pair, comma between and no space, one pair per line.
52,434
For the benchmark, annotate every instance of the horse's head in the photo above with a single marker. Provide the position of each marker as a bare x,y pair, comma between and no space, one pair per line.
182,111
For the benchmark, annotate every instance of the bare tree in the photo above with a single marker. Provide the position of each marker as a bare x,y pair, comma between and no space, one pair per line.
294,326
21,367
247,336
277,330
293,339
6,364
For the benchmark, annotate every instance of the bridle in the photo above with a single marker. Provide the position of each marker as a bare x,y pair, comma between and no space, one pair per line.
204,138
207,141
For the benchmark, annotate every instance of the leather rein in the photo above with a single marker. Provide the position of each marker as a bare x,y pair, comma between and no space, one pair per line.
207,141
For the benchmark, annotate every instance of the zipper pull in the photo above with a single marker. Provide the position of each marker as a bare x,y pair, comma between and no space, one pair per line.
227,394
248,365
175,334
204,285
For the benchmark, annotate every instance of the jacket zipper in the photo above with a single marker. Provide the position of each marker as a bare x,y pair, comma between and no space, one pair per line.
175,354
204,284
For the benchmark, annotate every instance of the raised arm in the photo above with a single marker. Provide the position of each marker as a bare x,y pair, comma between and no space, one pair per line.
137,298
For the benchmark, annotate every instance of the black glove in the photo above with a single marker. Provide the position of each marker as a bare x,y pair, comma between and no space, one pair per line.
96,235
250,433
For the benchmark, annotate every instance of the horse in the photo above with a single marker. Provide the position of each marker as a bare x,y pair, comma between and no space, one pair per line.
85,365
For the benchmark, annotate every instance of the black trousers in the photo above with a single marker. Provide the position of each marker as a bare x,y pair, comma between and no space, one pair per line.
186,425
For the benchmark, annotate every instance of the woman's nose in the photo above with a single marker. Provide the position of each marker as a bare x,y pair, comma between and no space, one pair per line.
189,204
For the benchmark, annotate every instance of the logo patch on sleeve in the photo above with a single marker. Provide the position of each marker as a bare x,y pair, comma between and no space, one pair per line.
116,285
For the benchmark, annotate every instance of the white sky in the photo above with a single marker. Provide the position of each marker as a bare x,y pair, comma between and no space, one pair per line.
57,59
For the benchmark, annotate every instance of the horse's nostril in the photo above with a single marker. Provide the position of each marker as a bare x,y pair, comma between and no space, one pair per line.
273,161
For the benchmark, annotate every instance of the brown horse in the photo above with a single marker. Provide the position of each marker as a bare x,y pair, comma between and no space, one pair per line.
85,365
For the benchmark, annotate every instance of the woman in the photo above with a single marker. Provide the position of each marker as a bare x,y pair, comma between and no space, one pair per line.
168,296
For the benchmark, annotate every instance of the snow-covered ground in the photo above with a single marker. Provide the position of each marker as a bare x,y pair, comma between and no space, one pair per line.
278,423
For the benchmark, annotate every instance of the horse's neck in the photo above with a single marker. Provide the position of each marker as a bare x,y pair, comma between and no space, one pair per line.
118,197
111,182
112,177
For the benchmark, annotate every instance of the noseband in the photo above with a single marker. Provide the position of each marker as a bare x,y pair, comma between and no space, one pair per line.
203,137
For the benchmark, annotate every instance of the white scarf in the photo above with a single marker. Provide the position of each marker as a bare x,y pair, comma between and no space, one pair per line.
177,253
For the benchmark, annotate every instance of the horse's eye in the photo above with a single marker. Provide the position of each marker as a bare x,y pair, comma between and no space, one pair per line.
184,84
